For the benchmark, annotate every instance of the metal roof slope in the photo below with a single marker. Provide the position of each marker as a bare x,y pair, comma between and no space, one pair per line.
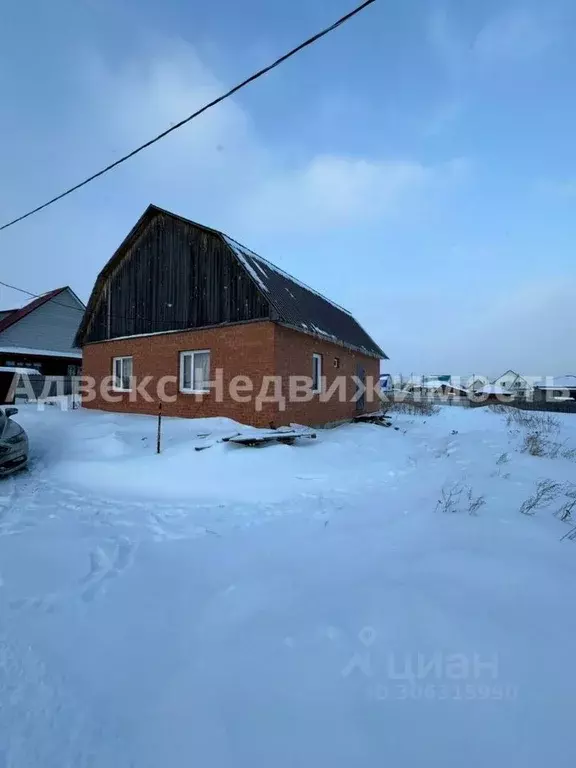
303,308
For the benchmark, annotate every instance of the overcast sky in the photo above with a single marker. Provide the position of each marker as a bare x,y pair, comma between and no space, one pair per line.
418,166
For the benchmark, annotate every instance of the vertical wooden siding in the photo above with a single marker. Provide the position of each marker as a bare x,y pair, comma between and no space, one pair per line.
174,276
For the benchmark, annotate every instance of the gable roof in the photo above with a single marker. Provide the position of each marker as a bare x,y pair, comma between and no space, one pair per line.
295,304
301,307
17,314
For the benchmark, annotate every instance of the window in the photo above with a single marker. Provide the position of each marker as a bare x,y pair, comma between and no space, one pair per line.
195,371
336,362
122,372
316,373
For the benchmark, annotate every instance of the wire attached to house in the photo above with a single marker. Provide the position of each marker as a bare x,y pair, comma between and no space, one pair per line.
82,311
211,104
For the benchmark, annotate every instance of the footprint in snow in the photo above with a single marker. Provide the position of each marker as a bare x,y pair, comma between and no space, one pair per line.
102,570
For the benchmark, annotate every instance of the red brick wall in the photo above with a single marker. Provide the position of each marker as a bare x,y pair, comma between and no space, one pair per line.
294,358
244,348
255,349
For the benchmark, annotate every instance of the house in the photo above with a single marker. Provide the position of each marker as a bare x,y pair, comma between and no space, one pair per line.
556,388
41,334
493,393
216,330
512,382
431,387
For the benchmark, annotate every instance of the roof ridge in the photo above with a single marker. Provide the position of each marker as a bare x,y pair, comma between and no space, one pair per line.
31,306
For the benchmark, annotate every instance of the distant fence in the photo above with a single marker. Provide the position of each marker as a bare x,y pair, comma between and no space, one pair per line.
556,406
539,402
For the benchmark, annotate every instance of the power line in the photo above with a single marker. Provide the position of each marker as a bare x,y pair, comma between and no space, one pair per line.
113,315
36,296
213,103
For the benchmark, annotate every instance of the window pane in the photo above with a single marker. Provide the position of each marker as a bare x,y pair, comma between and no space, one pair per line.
186,371
316,371
126,372
202,371
117,373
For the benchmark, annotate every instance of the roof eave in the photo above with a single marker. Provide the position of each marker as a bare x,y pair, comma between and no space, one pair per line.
380,355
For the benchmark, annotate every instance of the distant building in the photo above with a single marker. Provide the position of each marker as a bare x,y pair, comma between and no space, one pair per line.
40,335
512,382
557,387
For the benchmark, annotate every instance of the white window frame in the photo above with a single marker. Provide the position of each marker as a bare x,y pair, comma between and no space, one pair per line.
115,387
192,353
317,367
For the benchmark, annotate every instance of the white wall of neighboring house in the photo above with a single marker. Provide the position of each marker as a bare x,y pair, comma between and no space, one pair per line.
513,382
51,326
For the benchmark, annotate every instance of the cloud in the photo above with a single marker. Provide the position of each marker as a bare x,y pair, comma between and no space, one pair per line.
523,326
446,40
220,156
516,34
149,93
513,35
332,191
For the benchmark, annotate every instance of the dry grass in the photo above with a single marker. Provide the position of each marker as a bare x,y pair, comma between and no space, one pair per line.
459,498
411,407
546,491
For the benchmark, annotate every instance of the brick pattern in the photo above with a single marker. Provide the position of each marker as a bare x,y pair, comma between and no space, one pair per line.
254,349
244,348
294,358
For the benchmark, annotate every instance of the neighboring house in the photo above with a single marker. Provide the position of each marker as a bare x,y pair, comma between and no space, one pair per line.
445,378
475,383
436,387
557,387
41,334
181,300
386,382
512,382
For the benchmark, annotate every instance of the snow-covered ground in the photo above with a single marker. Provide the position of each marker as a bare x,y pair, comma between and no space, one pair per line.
283,606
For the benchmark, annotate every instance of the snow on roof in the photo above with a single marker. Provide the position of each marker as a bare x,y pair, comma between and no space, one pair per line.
23,371
320,332
261,261
558,382
300,306
72,354
239,251
493,389
436,384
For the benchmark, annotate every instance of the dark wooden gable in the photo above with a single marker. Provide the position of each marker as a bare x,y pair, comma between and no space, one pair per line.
170,274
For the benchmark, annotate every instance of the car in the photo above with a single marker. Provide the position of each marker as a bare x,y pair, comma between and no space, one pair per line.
13,443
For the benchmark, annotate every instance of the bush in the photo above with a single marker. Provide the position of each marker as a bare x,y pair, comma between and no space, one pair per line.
534,444
546,491
565,512
452,496
410,406
542,423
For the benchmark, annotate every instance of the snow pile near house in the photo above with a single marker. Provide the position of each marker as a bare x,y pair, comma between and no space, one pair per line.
286,605
122,449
